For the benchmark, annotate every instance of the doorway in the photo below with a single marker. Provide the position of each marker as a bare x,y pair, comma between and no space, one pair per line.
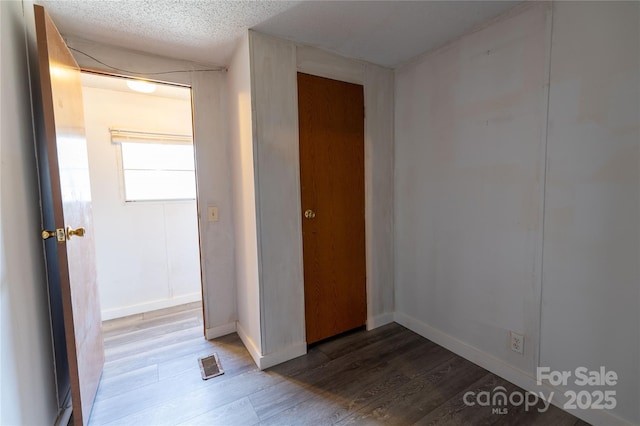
141,163
331,134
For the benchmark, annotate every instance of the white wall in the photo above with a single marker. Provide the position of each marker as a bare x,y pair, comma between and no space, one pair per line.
147,253
274,67
27,389
244,201
470,134
471,163
2,267
275,135
591,284
212,166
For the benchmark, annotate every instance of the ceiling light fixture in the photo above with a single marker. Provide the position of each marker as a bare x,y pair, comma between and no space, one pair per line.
141,86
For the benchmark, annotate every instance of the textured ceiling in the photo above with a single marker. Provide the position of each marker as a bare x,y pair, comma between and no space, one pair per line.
206,31
203,31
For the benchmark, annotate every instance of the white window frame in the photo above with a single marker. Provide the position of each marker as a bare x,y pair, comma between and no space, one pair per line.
120,136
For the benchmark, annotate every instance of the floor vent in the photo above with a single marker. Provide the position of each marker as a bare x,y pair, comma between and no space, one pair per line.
210,366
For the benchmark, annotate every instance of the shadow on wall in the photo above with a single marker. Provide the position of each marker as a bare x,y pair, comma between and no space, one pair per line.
26,378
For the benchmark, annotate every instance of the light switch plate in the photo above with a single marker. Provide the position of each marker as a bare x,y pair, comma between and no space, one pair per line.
213,214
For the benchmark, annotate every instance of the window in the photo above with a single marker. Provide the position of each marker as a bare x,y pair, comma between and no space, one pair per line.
155,167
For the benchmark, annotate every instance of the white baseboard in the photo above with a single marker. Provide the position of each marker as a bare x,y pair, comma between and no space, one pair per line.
220,330
275,358
506,371
379,320
154,305
249,344
269,360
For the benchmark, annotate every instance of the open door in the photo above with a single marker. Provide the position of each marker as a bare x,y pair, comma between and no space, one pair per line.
66,209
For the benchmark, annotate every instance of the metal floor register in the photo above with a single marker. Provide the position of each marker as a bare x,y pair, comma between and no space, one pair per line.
210,366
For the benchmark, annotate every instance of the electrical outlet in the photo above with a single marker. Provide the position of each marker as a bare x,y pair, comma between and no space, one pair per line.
213,214
517,343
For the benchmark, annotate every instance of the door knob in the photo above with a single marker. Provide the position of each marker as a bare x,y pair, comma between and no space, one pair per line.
74,232
309,214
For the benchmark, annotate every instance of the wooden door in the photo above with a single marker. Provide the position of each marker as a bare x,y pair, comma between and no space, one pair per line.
66,206
331,123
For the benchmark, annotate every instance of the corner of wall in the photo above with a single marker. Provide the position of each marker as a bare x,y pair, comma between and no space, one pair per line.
380,320
286,354
275,133
242,140
584,212
503,369
274,109
251,346
220,330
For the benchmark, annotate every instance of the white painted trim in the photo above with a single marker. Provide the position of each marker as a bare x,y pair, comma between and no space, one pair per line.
220,330
214,290
322,63
125,311
265,361
286,354
379,320
316,61
506,371
249,344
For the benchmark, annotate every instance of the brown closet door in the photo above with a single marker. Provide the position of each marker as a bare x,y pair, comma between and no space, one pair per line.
331,122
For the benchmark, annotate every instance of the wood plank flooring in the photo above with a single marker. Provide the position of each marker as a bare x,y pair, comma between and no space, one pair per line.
386,376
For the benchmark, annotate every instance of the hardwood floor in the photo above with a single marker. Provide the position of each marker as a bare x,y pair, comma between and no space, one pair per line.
386,376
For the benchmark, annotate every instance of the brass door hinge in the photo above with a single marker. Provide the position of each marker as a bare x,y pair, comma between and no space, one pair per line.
59,233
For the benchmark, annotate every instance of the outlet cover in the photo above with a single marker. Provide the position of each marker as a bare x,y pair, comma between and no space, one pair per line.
213,214
517,342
